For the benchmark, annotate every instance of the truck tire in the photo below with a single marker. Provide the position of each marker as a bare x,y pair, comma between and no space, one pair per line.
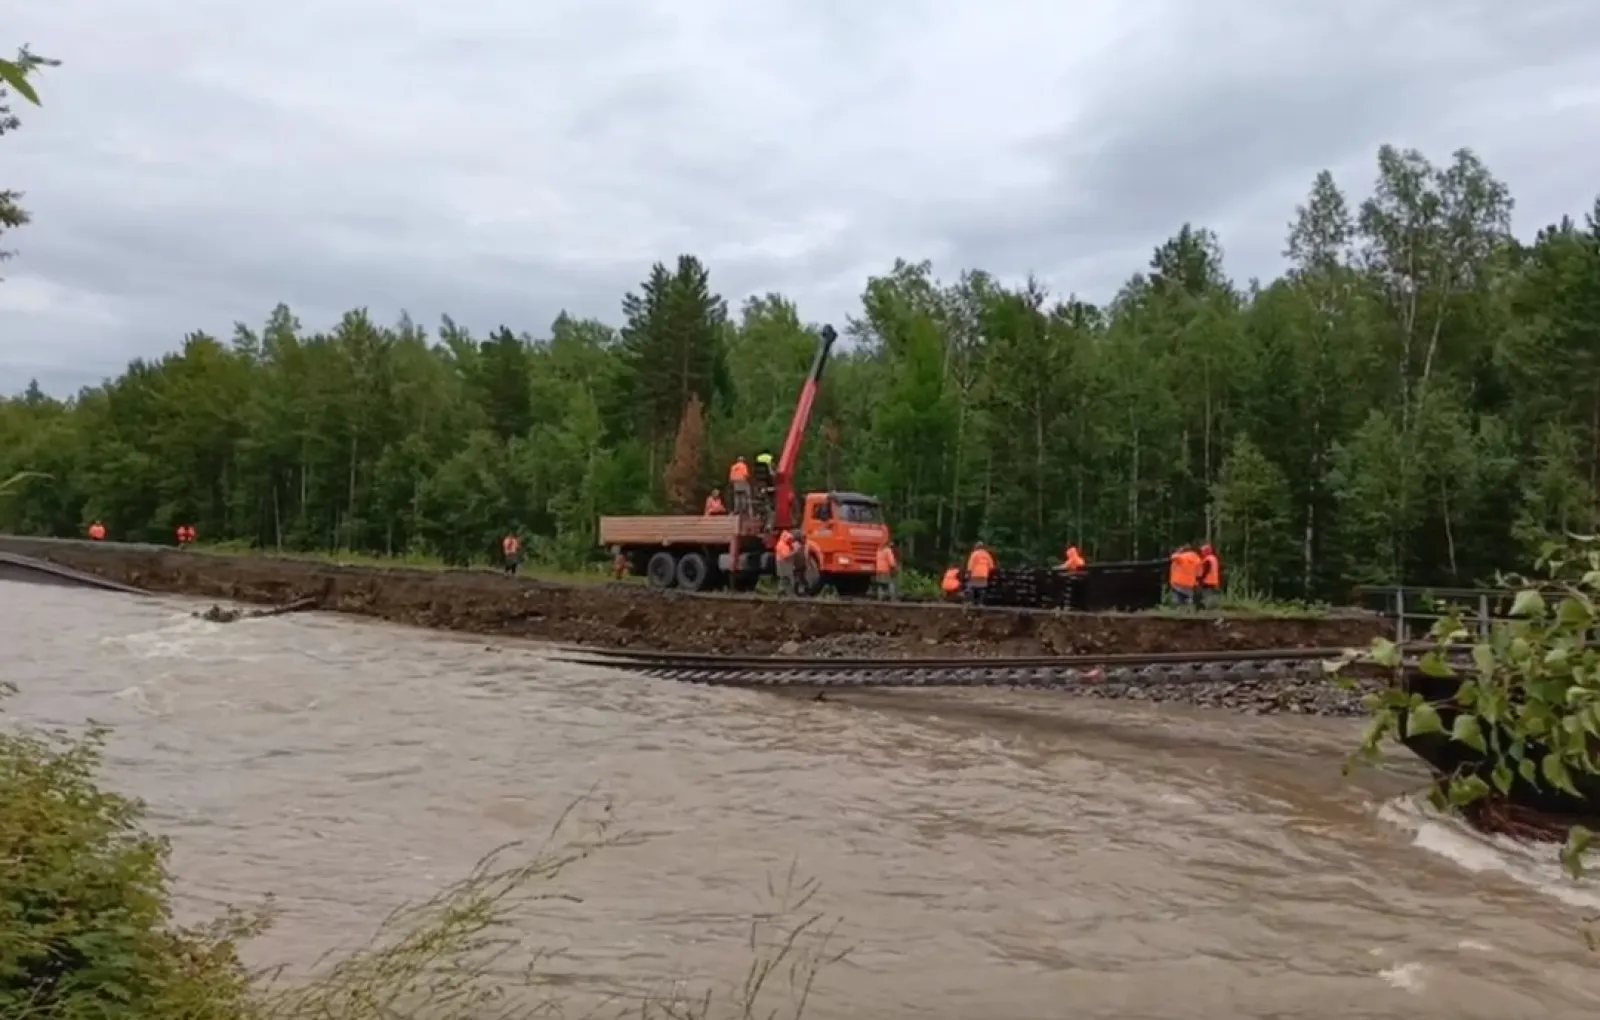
662,570
744,582
852,586
693,572
808,580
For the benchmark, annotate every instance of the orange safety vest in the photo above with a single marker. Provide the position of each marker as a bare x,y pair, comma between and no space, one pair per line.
1075,560
714,506
1213,570
97,531
784,550
980,565
511,545
952,581
1185,571
740,472
885,563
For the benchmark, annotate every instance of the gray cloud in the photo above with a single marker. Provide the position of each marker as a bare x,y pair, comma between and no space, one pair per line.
197,162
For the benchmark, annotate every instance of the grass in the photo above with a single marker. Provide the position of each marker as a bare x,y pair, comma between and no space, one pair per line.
86,930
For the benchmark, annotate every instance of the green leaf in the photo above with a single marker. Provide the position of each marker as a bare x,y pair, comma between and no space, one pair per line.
1422,720
1433,664
1572,853
1528,603
1385,653
15,77
1575,613
1555,773
1466,730
1528,771
1501,775
1483,660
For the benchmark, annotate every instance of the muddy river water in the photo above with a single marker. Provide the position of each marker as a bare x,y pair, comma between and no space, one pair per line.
1007,856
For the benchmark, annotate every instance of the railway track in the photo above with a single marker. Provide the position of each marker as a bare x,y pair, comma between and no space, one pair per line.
1115,673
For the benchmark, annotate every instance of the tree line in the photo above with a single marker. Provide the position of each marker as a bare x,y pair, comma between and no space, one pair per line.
1416,398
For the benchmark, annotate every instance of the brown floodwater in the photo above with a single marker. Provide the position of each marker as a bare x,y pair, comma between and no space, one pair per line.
999,855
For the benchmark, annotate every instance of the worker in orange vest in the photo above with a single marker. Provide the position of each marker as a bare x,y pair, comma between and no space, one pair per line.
97,531
619,563
980,565
185,535
886,573
951,585
511,553
783,555
714,507
739,482
1183,576
1210,592
1074,563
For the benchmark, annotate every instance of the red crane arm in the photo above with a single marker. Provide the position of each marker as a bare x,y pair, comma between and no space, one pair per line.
789,458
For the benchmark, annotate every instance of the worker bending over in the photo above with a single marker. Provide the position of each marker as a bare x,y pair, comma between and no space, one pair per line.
1074,562
951,585
885,574
739,483
1183,576
980,565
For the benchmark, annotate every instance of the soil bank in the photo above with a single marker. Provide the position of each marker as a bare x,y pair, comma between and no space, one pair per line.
625,615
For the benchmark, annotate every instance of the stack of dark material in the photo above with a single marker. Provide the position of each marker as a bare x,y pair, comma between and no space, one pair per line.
1104,587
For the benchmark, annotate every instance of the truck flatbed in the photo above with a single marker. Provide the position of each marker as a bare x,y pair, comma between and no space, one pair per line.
668,530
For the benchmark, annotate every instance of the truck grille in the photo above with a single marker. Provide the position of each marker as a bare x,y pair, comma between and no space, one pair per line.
864,553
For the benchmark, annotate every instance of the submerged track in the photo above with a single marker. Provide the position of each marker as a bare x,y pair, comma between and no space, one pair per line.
1063,672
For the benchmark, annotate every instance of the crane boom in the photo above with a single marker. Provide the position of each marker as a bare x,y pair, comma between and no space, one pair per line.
789,458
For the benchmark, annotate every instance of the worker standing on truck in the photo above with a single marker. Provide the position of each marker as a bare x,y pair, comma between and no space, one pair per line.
980,565
951,585
886,573
783,554
1210,590
739,482
765,481
1074,563
511,552
1184,575
714,507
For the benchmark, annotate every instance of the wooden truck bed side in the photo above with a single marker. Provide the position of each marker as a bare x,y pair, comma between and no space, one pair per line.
669,530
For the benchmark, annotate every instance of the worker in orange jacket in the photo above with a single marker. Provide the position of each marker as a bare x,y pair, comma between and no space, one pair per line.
980,567
1210,590
1074,562
714,507
739,483
1183,575
97,532
783,555
951,585
886,573
511,553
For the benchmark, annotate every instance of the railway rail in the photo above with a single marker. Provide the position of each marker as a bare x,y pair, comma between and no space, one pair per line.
1113,672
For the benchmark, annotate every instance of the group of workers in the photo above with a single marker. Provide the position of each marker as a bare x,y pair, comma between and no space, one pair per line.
184,533
750,489
1195,576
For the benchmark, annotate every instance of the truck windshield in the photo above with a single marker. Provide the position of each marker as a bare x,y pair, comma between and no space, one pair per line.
860,513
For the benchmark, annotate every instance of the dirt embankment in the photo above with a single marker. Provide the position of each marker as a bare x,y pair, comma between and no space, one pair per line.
627,615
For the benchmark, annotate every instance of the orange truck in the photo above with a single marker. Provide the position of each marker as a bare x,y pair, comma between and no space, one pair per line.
842,531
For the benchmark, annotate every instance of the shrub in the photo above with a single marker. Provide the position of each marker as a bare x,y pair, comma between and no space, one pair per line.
1526,697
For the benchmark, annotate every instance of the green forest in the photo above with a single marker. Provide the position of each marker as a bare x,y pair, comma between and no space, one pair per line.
1416,399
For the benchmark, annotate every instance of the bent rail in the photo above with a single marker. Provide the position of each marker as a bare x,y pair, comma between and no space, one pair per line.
15,567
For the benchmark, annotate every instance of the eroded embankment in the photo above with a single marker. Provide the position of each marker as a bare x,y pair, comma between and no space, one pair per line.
628,615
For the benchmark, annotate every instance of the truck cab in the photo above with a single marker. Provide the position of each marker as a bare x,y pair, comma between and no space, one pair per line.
843,533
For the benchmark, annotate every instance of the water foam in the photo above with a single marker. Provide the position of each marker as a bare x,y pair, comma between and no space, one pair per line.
1534,866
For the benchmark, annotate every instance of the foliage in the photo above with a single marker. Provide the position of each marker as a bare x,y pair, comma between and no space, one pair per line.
14,75
1417,398
86,930
685,475
1528,697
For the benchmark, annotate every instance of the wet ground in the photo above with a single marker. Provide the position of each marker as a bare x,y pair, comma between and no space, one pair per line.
624,615
1017,856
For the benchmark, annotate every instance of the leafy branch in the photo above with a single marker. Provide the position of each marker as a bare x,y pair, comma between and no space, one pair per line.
14,73
1526,698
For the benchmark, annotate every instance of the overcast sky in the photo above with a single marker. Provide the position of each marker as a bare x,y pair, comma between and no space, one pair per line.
198,161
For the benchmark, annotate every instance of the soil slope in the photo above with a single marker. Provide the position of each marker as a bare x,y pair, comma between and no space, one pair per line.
483,602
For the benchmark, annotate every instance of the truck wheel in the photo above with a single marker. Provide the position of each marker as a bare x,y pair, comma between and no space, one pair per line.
808,580
744,582
693,572
662,570
852,586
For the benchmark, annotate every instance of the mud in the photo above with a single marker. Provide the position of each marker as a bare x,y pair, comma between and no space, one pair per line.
624,615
